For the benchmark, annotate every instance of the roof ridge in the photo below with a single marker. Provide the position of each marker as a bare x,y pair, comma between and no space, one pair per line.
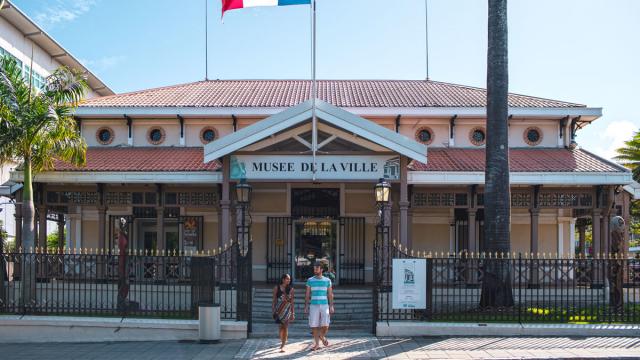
238,92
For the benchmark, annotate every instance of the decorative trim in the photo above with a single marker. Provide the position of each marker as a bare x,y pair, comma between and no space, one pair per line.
118,177
162,136
111,132
474,141
431,133
202,131
118,111
520,178
525,136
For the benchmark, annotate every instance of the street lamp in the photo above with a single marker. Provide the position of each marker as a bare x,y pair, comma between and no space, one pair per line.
243,192
382,192
243,196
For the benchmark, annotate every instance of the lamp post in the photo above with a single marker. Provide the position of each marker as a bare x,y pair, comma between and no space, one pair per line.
382,196
243,197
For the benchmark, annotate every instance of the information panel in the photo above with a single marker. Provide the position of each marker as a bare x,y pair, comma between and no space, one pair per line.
409,284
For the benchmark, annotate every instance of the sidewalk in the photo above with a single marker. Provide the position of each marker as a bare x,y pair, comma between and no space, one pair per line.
343,348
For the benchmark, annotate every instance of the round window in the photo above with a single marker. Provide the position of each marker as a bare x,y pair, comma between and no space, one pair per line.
532,136
477,136
104,136
207,135
425,135
156,135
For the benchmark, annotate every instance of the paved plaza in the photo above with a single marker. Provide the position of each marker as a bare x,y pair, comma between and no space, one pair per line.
342,348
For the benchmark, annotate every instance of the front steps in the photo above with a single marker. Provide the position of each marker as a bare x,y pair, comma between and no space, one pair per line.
353,312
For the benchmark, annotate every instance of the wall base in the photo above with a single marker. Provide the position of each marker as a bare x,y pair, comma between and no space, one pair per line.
31,329
407,328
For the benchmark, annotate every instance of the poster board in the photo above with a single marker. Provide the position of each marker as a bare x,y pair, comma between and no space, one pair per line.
409,284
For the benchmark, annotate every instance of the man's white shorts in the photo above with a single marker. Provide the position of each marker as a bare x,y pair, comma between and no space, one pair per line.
319,316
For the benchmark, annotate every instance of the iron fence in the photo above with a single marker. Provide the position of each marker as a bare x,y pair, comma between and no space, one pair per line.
135,284
545,289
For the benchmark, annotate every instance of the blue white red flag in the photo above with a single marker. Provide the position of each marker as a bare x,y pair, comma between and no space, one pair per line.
241,4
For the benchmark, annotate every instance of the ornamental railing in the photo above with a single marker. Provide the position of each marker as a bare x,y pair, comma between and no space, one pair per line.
132,284
545,288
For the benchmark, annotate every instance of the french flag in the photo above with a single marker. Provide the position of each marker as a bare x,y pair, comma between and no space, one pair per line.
241,4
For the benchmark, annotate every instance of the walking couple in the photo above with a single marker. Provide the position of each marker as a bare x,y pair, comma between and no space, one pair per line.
319,293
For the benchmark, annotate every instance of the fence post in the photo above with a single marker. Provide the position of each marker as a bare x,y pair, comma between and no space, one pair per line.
519,288
3,273
429,311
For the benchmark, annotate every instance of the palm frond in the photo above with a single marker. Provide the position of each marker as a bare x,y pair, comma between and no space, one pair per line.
66,86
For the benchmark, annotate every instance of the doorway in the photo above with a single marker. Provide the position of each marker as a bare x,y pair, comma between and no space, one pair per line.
315,240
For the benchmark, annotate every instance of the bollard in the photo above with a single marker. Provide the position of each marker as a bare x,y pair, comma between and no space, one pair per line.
209,323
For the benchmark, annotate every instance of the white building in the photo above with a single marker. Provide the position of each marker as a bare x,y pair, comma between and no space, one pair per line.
22,39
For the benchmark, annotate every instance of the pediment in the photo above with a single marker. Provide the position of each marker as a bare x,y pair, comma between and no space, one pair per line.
339,131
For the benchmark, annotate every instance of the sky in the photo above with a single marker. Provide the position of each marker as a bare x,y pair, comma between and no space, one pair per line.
584,51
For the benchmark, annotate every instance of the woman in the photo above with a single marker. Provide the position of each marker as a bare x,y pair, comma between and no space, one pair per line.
283,307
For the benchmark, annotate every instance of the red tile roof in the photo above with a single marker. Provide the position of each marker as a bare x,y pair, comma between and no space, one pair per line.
342,93
142,159
521,160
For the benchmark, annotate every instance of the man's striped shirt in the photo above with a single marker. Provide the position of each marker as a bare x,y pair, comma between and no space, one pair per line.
319,289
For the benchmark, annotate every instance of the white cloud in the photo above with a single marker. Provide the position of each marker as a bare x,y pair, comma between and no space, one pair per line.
613,137
103,63
61,11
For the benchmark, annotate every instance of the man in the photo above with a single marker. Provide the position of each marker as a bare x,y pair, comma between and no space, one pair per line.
320,292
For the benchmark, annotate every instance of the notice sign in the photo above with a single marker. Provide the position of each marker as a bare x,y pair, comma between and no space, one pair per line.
328,167
409,284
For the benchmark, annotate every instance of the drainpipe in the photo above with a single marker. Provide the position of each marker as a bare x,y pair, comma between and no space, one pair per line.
181,119
130,130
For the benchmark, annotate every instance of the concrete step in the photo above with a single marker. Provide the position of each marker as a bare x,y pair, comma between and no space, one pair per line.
337,316
299,330
264,303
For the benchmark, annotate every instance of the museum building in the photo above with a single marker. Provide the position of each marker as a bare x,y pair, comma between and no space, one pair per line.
167,160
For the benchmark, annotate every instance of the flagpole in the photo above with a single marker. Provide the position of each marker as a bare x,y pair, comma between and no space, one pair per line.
206,40
314,91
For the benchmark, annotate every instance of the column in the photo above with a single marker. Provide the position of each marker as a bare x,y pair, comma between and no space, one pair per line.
582,236
60,224
102,227
160,219
42,226
225,203
472,230
597,250
404,203
534,280
604,230
595,232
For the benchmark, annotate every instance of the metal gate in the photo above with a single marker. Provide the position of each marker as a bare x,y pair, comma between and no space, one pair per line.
351,250
279,247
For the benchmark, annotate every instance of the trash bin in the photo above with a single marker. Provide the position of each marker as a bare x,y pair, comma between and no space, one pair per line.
209,323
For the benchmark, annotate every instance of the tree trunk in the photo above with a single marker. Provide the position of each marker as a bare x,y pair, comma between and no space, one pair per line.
29,261
496,284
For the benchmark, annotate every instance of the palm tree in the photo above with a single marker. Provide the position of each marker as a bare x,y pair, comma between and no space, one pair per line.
629,155
496,284
36,128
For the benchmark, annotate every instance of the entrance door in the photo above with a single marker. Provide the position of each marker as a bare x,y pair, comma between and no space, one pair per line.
314,240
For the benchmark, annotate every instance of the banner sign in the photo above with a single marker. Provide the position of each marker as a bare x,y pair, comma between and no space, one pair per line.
409,284
328,167
191,234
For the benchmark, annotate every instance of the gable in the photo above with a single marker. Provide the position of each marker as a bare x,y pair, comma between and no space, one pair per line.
342,127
